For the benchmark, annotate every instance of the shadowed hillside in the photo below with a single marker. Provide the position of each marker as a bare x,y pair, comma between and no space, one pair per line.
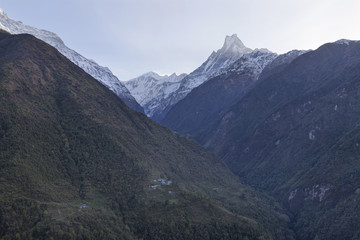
76,162
295,135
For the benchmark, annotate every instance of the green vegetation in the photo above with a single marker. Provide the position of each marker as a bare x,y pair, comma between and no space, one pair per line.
66,141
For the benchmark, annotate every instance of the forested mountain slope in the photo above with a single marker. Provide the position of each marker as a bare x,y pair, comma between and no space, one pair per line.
295,135
76,162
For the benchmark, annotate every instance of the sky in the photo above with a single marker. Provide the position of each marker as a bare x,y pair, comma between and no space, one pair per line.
133,37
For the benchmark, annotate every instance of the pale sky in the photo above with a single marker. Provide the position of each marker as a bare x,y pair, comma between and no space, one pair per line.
132,37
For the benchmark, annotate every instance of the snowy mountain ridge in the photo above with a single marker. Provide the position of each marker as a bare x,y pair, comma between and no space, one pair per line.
102,74
253,62
150,89
157,97
232,50
345,41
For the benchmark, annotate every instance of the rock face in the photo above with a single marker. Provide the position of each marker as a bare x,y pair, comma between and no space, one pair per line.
102,74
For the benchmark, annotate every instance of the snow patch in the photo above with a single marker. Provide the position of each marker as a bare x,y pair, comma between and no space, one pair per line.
343,93
292,194
343,41
276,116
312,135
315,193
253,63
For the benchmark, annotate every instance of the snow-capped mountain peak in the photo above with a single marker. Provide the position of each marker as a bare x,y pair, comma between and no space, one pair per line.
152,75
162,78
176,78
343,41
231,51
160,95
102,74
233,44
150,89
3,13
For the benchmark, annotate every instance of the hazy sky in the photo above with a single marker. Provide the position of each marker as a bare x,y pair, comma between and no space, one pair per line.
132,37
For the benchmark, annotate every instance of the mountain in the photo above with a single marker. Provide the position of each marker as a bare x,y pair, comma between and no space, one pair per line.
216,96
231,51
151,89
77,163
102,74
295,135
279,63
205,104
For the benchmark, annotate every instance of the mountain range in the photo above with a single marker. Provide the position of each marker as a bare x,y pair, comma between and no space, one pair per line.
281,132
291,132
295,134
213,97
151,90
102,74
172,93
77,163
158,95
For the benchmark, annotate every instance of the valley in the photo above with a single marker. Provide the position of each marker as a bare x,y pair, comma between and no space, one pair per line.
251,144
